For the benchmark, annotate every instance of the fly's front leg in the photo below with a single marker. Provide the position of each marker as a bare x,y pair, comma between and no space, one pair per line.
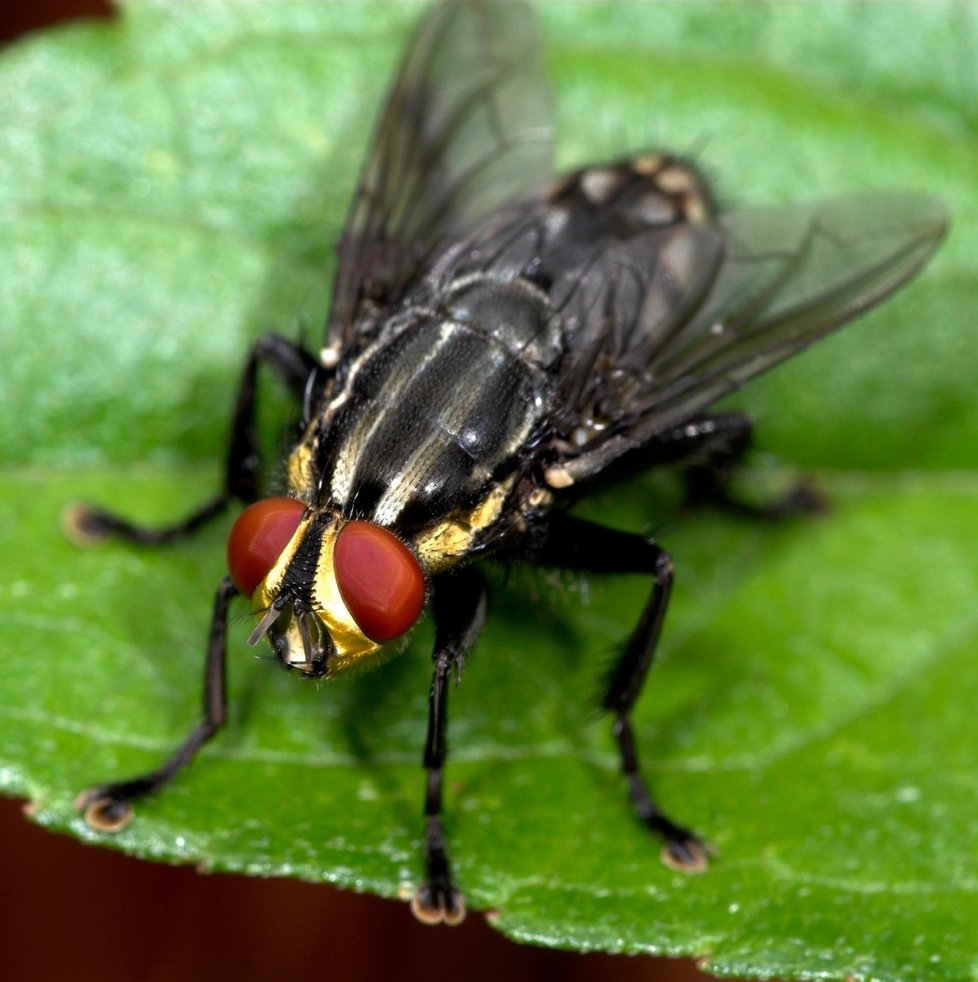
108,808
575,544
459,609
88,524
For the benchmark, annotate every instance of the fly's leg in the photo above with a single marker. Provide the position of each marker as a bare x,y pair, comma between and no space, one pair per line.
459,609
88,524
572,543
108,808
712,448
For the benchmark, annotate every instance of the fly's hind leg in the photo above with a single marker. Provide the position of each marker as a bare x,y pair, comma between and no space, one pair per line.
572,543
88,524
711,448
108,807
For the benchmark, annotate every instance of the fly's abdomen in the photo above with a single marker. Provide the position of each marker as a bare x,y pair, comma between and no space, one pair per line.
434,413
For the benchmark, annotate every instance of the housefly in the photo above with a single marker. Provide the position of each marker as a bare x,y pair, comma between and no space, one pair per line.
498,340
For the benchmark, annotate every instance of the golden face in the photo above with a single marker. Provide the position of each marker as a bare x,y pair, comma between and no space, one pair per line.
319,620
335,592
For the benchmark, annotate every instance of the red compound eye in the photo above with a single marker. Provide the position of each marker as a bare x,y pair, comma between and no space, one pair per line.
380,580
258,537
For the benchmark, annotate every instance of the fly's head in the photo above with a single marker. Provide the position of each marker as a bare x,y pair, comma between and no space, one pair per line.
330,593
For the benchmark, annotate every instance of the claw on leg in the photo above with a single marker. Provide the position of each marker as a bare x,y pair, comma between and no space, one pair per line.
688,855
438,902
104,811
84,525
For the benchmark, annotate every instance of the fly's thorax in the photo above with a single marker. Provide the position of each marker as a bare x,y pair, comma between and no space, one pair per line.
439,411
512,313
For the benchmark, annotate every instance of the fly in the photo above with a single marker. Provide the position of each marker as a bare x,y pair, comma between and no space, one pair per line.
497,341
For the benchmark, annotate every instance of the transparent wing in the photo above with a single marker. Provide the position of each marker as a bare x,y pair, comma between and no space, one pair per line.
679,317
466,128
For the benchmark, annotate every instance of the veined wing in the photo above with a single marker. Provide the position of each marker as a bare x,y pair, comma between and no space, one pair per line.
751,290
465,130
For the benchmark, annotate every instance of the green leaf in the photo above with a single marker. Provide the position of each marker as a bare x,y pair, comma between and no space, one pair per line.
169,189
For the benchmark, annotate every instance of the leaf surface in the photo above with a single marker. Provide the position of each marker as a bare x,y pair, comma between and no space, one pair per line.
170,186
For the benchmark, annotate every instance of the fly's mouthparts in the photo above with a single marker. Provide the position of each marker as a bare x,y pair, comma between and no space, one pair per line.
317,645
270,617
310,645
